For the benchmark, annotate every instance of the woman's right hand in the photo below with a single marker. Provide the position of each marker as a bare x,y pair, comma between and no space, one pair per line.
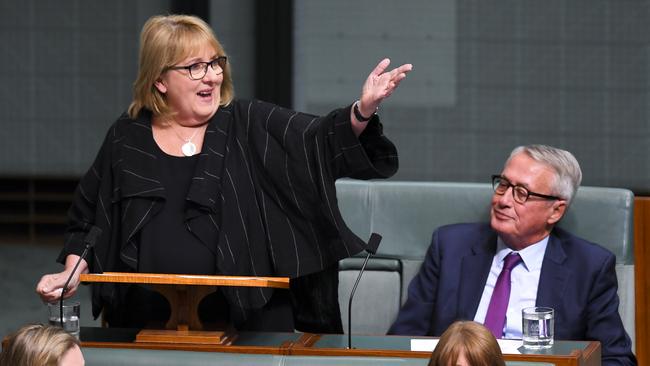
50,287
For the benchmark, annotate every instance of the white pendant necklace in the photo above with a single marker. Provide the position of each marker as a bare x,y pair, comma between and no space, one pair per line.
188,148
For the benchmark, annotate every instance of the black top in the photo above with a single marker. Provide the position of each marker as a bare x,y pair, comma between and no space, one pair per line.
166,244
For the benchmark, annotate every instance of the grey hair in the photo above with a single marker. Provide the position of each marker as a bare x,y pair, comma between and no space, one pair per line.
567,170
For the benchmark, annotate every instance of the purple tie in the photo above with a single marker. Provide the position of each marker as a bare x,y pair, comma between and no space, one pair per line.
496,314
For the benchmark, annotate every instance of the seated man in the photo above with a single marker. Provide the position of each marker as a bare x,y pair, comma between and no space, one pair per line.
545,265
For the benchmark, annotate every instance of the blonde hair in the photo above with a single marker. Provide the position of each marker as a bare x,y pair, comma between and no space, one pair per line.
471,339
37,345
165,41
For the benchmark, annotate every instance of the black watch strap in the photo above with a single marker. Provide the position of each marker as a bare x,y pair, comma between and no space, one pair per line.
358,115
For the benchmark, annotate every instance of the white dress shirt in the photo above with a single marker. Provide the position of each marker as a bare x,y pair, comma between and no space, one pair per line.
524,283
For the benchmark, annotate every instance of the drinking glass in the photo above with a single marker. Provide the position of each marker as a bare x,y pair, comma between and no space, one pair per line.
538,327
71,310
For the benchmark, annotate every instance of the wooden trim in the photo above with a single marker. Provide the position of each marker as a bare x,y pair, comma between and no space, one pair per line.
590,356
184,294
178,279
277,350
307,340
642,277
593,354
177,336
576,358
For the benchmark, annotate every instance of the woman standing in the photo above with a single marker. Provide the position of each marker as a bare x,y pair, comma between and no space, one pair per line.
194,181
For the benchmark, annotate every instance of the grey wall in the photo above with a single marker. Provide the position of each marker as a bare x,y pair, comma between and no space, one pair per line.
233,23
66,73
490,75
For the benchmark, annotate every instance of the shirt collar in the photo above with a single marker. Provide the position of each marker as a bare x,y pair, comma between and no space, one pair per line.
532,255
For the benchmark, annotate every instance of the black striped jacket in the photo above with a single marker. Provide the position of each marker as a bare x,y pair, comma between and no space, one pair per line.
262,198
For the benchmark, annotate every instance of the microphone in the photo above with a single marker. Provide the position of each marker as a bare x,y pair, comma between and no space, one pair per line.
90,240
371,248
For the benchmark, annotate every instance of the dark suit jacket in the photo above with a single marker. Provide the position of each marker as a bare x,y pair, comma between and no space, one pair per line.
577,279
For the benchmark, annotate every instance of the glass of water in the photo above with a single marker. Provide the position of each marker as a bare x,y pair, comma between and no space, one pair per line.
538,327
71,311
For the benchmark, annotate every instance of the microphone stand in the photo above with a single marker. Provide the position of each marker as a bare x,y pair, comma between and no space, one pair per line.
354,288
373,244
90,240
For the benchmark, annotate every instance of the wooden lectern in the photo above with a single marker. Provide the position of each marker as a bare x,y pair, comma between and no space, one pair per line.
184,293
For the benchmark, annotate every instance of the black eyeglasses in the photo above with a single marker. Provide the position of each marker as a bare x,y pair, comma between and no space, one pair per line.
519,193
198,70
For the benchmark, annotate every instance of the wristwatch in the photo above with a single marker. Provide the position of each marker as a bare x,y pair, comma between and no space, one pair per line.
358,115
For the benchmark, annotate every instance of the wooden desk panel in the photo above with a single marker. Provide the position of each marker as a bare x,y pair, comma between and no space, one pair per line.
399,346
642,277
298,344
182,279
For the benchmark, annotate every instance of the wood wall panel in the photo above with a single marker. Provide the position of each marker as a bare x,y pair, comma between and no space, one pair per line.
642,277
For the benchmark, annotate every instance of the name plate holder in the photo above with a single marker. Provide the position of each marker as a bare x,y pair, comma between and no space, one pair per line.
184,293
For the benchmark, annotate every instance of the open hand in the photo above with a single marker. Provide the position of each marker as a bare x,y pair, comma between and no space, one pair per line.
380,84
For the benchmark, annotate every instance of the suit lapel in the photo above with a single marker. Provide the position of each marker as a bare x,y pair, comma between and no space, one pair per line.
553,277
474,272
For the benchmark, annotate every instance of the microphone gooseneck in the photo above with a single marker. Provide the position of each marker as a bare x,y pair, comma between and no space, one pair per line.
90,240
373,244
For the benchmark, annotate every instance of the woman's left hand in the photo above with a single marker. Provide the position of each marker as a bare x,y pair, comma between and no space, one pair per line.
380,84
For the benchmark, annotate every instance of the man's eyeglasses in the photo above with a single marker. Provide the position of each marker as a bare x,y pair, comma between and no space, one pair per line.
198,70
519,193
